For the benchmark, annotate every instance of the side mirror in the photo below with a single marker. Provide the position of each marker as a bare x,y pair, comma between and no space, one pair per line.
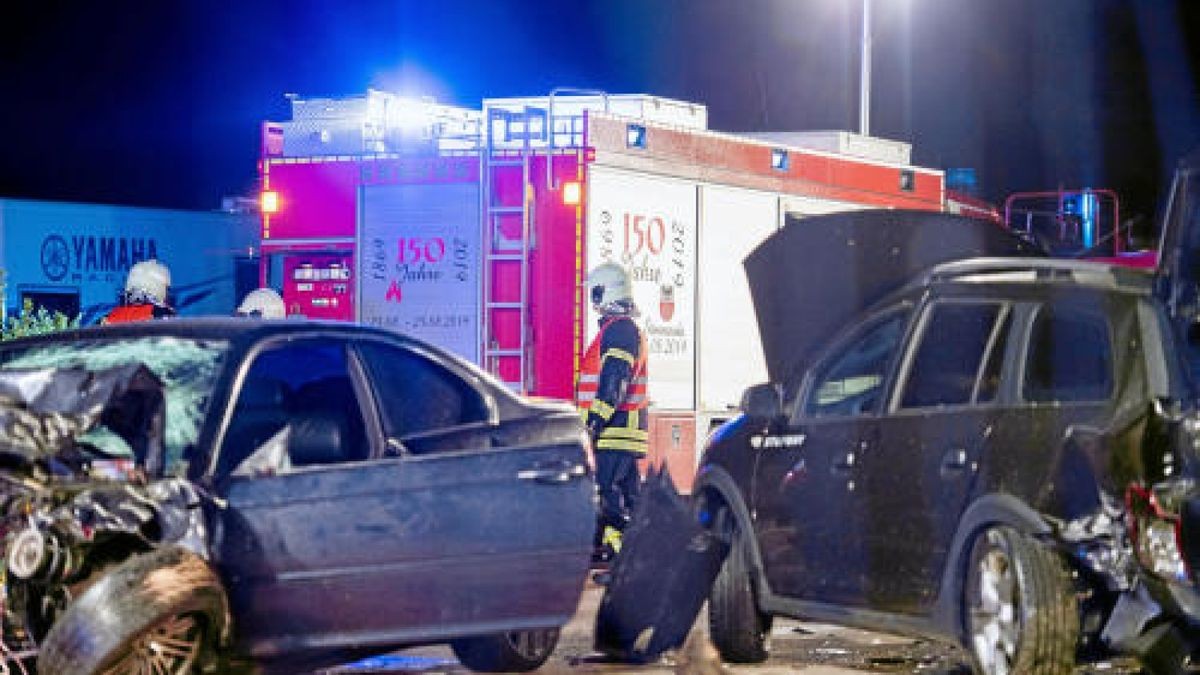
762,402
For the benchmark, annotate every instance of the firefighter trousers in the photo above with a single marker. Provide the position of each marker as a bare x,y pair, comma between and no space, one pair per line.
618,483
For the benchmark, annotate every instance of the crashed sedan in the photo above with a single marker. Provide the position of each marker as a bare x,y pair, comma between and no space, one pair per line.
1000,452
209,495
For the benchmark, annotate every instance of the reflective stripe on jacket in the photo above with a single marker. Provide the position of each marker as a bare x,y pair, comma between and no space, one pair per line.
624,422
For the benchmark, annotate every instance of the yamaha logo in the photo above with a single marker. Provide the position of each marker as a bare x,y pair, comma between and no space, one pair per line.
56,257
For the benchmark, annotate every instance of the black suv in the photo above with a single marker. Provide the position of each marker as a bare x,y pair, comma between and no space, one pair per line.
999,452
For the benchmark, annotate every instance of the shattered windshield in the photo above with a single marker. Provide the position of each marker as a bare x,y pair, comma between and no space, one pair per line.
187,367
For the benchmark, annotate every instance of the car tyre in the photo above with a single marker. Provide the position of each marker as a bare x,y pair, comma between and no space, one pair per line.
160,612
513,652
1020,613
738,629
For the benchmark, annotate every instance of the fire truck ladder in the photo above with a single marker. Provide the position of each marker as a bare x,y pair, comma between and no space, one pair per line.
507,242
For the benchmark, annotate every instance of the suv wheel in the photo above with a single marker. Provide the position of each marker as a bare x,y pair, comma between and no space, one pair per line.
1019,607
740,632
516,651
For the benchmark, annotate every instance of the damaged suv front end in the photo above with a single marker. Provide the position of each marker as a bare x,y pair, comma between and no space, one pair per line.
1123,505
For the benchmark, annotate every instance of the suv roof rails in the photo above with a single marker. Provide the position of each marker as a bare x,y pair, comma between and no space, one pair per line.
1043,269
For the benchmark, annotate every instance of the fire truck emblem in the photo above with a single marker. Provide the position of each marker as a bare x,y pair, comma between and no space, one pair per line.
666,302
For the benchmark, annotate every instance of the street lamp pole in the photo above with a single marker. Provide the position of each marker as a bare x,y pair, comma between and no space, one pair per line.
864,83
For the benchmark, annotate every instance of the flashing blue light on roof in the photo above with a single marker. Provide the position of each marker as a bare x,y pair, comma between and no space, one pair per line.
1088,207
780,161
635,136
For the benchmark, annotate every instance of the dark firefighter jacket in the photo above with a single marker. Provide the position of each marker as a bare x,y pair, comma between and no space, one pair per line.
611,391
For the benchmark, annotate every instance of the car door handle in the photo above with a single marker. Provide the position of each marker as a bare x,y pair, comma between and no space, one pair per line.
846,463
954,461
553,474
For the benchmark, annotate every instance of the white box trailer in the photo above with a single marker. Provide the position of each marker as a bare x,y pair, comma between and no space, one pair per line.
74,257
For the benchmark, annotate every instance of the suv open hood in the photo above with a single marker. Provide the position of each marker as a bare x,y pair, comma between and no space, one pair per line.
811,277
44,412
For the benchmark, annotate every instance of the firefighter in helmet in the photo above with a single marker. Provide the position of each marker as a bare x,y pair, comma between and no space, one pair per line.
611,394
145,294
263,303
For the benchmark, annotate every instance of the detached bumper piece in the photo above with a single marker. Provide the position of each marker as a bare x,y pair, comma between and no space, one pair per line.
1138,626
660,579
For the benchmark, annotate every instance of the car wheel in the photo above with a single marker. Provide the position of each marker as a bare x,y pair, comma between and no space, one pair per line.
159,612
740,632
516,651
1019,607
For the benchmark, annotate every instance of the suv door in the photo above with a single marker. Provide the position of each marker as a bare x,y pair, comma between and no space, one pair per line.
806,485
941,416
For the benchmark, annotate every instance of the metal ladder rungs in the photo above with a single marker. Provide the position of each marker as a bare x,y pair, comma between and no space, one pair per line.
503,352
502,210
506,257
504,305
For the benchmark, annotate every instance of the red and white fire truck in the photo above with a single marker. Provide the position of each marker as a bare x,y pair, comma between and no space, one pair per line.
474,229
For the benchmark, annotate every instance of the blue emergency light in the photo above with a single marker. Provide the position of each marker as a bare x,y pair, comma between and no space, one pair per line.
635,136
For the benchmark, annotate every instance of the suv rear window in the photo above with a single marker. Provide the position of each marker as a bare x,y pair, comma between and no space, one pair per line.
1070,357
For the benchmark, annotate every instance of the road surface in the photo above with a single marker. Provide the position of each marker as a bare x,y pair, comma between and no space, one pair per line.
796,647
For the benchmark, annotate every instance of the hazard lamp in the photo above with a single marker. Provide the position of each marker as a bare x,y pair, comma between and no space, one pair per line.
269,202
572,193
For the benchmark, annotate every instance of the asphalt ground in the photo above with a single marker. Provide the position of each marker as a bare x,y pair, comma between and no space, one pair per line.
796,647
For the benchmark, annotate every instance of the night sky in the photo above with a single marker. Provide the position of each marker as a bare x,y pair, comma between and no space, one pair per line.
158,103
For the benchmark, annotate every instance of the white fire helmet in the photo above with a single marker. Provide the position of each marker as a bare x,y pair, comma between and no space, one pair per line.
262,302
147,283
610,289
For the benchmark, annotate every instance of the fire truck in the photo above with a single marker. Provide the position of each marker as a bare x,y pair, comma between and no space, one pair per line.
1076,223
474,229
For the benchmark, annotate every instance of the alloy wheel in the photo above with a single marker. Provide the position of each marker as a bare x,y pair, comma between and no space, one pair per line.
532,644
170,647
994,621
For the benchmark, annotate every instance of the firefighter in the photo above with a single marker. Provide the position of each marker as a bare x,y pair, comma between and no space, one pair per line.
145,294
263,303
611,394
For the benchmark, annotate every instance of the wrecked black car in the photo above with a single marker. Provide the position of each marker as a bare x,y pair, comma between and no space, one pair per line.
1000,452
213,494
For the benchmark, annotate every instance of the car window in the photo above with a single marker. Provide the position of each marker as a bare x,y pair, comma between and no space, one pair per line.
953,344
416,394
1069,358
989,381
850,381
297,407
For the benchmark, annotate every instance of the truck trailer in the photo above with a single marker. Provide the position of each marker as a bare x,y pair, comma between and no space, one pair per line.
73,257
475,229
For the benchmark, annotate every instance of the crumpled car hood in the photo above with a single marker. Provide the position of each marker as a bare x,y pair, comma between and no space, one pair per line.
44,412
815,274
